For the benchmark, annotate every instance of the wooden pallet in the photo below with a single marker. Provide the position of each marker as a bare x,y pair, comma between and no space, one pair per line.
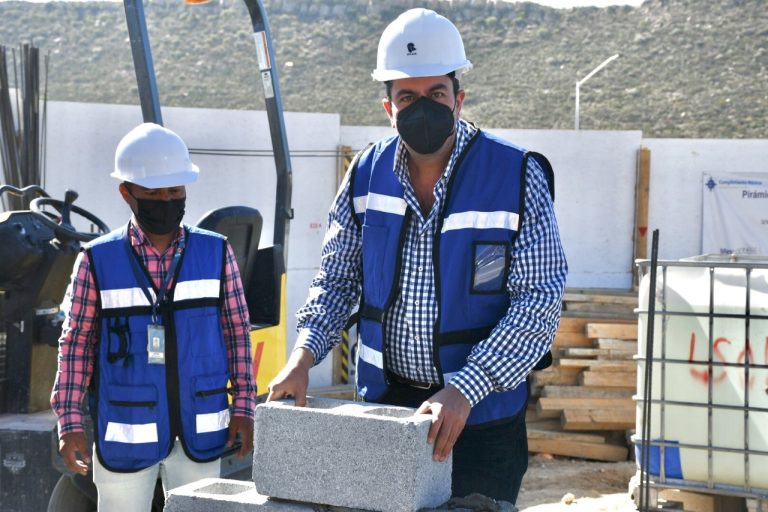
585,397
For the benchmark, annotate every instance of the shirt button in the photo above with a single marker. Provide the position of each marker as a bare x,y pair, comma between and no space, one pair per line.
416,302
416,338
421,269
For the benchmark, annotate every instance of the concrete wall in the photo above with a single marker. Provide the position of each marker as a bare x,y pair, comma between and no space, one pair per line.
595,181
677,166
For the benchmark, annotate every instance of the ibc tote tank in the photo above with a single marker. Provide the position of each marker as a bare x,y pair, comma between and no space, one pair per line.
709,412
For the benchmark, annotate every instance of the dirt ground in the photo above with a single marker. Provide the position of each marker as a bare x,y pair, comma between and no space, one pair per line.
591,486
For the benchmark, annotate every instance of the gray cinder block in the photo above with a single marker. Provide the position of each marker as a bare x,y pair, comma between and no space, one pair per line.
348,454
222,495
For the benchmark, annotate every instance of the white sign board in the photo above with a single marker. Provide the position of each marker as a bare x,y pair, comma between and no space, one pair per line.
735,214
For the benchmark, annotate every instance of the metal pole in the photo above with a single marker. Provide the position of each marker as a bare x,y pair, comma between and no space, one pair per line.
590,75
645,451
271,84
578,86
142,62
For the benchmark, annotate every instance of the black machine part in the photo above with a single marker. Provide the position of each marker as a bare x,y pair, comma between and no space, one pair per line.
36,260
62,226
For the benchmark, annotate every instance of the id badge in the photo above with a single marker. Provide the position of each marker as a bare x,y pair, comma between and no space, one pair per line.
156,344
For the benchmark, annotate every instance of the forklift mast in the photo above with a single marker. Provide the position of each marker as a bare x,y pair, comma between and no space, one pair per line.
150,100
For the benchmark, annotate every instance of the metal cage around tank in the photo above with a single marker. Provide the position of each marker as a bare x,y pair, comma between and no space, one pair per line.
703,324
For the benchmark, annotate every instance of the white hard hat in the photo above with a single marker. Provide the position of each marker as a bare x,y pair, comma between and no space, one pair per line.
154,157
420,43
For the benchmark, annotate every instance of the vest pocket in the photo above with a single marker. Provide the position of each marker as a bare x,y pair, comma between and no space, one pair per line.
211,411
209,339
490,267
130,423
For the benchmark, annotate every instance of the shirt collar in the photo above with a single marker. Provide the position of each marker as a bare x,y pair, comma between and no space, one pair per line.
464,133
138,236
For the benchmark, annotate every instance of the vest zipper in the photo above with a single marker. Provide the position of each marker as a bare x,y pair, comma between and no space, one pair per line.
209,392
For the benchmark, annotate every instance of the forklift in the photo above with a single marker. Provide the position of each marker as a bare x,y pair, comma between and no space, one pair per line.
38,248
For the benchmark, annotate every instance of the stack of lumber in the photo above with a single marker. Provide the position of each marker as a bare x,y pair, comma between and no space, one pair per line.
582,405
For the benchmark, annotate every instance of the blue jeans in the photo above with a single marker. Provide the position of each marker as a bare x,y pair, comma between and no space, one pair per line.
490,460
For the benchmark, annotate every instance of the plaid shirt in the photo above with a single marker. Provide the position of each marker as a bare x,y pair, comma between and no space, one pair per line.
535,285
77,344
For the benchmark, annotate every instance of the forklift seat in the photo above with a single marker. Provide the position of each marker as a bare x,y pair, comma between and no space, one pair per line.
242,227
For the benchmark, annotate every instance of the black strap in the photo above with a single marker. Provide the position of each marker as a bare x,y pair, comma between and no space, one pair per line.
164,286
122,335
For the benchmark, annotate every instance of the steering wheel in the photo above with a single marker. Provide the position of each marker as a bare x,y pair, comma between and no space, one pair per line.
64,229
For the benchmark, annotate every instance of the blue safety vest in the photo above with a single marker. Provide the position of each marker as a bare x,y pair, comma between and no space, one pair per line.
476,231
140,408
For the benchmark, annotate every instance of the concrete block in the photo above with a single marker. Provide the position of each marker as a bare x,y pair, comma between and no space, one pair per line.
348,454
222,495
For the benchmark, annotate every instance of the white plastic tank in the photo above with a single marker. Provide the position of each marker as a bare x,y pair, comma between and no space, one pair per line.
709,423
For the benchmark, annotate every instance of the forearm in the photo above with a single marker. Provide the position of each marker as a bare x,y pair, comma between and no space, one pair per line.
236,326
503,360
76,350
535,286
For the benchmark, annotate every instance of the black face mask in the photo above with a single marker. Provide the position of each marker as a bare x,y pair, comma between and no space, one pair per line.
425,125
160,217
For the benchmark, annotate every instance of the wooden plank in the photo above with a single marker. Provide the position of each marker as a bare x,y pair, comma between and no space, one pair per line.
341,392
613,365
557,376
562,403
571,339
642,191
627,317
551,407
608,379
593,451
336,359
598,365
615,344
617,331
551,424
618,356
598,308
599,419
702,502
585,392
584,352
531,415
534,433
574,324
601,296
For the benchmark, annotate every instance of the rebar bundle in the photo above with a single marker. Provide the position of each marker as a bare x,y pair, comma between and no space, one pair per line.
22,126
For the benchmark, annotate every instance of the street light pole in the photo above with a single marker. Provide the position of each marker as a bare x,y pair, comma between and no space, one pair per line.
590,75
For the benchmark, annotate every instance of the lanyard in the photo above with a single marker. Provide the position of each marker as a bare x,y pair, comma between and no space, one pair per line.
164,286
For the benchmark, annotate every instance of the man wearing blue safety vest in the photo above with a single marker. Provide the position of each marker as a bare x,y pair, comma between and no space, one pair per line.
448,237
157,326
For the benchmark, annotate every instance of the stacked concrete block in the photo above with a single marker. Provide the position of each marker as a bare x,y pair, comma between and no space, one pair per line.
348,454
222,495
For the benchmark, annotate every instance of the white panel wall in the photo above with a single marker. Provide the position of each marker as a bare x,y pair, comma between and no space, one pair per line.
595,182
677,166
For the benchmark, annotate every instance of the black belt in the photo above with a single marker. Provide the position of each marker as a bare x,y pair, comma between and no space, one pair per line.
414,384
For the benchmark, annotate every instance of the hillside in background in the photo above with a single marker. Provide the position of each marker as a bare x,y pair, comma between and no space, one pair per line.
687,68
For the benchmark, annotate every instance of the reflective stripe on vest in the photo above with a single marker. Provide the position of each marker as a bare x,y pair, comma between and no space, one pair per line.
134,297
481,216
140,407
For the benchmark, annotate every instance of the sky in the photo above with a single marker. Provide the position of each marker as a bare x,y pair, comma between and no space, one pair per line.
564,4
559,4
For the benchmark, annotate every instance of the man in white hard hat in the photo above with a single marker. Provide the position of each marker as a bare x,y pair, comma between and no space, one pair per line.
448,236
157,325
